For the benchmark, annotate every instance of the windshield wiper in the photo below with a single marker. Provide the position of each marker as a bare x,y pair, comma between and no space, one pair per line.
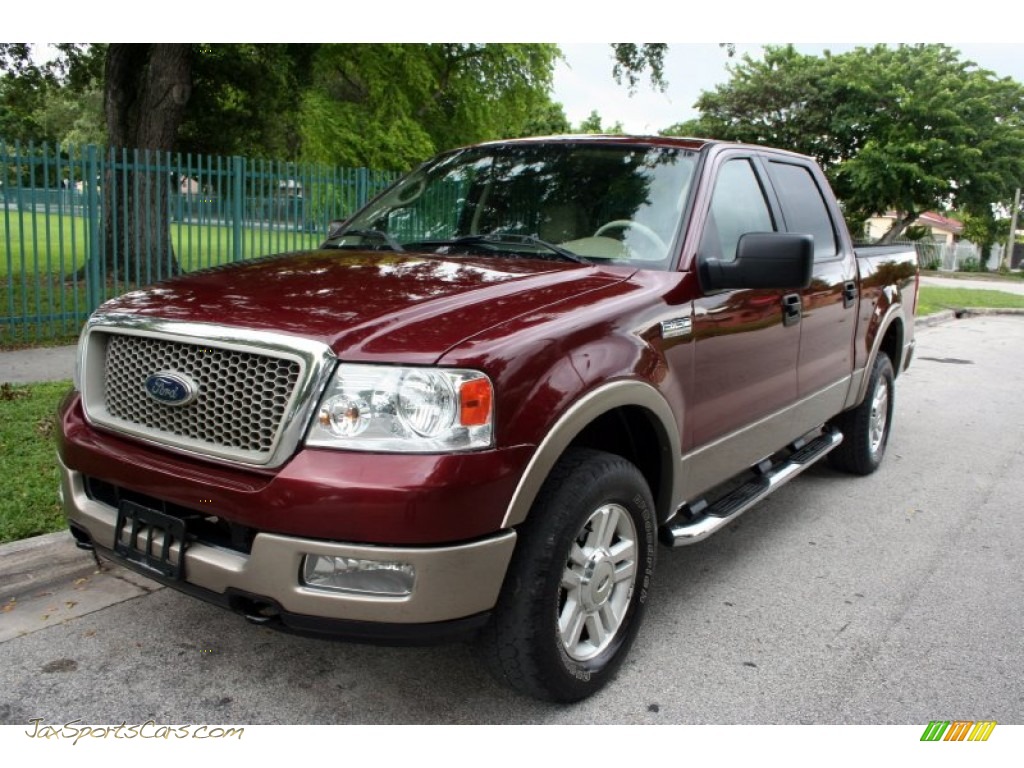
500,238
367,234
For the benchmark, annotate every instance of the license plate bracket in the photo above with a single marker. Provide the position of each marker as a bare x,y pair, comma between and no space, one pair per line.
147,537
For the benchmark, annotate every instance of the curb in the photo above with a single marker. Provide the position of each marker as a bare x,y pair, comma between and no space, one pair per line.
935,319
947,315
32,565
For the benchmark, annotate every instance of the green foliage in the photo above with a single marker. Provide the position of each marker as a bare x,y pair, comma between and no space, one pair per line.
632,59
392,105
57,101
982,228
28,484
910,128
546,120
385,105
593,124
245,99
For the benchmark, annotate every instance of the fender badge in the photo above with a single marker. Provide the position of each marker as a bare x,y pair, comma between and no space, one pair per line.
677,326
170,388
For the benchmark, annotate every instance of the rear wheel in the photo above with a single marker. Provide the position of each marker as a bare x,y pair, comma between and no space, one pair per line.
866,428
577,586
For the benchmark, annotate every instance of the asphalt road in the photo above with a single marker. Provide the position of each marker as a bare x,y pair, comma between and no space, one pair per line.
892,599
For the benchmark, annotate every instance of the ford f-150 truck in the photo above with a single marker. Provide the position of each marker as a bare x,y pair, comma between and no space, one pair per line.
478,406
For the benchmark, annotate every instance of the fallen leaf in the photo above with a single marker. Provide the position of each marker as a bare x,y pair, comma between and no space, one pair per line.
81,581
70,603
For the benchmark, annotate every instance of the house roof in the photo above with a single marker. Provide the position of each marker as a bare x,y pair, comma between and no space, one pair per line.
933,220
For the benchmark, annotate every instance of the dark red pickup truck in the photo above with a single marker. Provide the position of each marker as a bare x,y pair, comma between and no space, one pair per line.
478,406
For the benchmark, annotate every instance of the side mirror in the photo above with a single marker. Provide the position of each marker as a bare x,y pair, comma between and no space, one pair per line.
334,227
763,260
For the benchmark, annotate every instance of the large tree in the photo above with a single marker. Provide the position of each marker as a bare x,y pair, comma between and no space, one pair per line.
392,105
147,90
905,129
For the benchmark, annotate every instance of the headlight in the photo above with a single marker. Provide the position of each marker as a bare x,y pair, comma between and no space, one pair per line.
404,410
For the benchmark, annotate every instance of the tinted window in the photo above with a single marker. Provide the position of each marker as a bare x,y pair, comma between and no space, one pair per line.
737,207
804,207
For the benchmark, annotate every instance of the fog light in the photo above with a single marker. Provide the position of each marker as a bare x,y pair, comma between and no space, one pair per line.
350,574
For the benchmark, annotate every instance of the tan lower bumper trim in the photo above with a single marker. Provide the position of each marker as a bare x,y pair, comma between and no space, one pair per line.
451,582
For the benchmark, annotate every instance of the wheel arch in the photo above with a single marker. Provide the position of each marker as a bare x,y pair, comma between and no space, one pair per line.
627,418
887,339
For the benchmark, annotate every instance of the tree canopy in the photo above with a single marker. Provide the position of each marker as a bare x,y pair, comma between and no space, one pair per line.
382,105
906,129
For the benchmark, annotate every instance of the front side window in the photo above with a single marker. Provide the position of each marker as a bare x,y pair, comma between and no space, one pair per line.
604,203
738,206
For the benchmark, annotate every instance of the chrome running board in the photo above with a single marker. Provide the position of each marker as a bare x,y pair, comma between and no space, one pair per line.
702,520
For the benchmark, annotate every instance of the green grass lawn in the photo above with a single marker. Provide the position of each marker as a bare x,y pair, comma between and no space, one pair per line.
31,244
934,299
28,483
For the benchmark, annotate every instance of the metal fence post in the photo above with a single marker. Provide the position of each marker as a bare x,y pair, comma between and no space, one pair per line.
237,206
362,187
93,288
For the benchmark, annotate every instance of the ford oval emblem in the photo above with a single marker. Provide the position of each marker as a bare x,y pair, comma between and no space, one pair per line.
170,388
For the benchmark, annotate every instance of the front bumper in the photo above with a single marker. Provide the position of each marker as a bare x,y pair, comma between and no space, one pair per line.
453,583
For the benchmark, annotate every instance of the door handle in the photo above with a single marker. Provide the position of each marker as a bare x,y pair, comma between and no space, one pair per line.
791,309
849,294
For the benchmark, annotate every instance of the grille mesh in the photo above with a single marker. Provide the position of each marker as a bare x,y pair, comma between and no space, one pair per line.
241,402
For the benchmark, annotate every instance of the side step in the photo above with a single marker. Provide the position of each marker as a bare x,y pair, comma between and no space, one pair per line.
705,520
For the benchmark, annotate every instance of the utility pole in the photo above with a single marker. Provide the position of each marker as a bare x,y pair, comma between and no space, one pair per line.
1008,256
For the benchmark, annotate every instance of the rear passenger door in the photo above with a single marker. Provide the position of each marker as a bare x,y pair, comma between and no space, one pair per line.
829,304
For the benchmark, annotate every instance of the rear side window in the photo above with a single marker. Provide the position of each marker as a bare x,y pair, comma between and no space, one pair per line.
804,207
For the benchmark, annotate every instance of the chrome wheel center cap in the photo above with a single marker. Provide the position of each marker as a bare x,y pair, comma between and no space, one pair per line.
598,580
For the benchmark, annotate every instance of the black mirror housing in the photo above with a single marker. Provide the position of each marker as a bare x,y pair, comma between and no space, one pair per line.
763,260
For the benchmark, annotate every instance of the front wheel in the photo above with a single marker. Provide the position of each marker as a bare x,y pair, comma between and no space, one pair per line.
578,583
866,428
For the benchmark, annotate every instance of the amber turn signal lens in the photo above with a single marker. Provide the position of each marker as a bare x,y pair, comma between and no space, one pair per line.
475,403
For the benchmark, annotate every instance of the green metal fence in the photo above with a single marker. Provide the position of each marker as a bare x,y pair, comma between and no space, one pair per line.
62,253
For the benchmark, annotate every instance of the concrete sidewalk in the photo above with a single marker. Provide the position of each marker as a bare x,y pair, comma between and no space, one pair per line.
24,366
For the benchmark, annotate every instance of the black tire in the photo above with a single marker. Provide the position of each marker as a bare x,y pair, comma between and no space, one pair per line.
574,574
866,428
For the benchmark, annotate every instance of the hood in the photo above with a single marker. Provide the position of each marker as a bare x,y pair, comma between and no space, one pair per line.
367,305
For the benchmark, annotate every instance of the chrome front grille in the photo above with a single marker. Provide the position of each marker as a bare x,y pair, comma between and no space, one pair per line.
241,397
249,395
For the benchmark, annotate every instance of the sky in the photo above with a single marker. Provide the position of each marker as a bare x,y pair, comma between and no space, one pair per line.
584,82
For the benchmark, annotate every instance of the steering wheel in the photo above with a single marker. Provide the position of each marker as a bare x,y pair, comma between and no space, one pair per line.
643,229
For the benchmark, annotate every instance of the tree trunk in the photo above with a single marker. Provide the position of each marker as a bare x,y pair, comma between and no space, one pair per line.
146,92
899,226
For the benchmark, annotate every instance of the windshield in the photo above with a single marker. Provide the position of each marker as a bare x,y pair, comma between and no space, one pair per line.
607,203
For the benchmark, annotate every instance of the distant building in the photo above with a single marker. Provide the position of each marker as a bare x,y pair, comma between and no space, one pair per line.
943,230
